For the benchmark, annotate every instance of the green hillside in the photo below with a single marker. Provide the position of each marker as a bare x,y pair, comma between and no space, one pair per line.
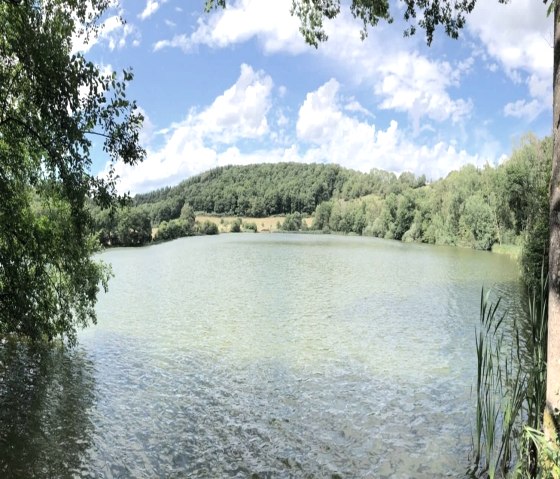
269,189
472,207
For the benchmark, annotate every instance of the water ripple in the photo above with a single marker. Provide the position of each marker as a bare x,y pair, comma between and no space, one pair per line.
259,356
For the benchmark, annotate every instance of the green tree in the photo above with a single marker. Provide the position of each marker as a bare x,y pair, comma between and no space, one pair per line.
207,227
236,226
404,214
292,222
172,229
51,102
251,226
104,225
477,224
385,227
188,216
133,227
322,216
262,189
537,232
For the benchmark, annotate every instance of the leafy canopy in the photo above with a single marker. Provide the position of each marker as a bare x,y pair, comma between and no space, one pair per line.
426,14
52,103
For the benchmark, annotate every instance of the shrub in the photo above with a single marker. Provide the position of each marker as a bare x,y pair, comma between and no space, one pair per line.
251,227
292,222
236,226
207,227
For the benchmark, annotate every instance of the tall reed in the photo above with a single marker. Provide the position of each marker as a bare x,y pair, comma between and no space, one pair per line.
510,387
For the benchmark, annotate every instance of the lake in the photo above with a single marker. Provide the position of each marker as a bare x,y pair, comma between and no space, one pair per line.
260,355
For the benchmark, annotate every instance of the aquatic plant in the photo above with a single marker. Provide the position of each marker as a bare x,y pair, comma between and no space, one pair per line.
510,389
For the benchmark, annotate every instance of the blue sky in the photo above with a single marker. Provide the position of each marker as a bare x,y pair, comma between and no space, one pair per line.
240,86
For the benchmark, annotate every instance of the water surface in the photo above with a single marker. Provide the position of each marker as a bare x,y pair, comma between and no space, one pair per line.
261,356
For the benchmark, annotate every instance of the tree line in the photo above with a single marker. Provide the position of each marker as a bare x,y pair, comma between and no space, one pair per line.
265,189
472,207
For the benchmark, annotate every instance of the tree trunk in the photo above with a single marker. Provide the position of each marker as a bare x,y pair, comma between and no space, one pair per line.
553,355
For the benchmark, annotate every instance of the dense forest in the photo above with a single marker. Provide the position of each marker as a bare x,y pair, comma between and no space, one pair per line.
272,189
472,207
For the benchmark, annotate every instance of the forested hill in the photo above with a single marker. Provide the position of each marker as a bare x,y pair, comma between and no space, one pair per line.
272,189
472,207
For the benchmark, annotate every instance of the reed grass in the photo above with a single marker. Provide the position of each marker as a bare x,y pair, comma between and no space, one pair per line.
510,388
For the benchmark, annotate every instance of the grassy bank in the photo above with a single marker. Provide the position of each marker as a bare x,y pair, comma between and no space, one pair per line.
511,250
271,224
264,225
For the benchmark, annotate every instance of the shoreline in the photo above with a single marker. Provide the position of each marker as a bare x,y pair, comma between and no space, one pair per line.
270,224
267,224
511,250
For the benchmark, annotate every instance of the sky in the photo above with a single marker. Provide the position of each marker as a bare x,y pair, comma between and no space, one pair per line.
240,86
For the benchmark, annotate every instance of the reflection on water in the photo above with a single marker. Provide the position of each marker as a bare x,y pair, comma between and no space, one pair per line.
260,356
46,395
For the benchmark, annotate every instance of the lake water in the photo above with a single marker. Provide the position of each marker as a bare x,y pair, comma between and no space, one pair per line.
260,356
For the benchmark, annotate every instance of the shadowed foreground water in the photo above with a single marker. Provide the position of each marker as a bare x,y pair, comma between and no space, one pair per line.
260,356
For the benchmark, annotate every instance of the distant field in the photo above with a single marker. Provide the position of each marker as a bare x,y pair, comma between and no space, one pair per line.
267,224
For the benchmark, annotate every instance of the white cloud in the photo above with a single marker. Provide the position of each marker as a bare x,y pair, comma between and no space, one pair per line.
282,120
403,80
267,20
413,84
527,110
343,139
540,86
148,128
240,112
354,105
151,8
178,41
113,32
518,36
319,116
193,145
325,133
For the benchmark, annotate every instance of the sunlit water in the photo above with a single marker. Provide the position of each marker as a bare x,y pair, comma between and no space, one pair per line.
260,356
